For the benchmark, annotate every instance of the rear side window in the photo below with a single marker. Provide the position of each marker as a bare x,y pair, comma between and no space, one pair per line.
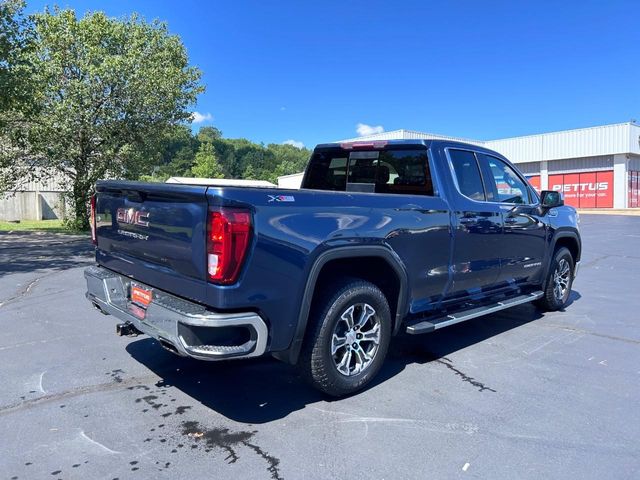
388,171
467,174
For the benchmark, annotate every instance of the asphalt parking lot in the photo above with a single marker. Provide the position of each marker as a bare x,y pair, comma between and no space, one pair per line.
517,394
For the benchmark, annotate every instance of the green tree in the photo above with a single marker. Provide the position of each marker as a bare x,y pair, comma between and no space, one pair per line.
237,153
208,134
241,158
230,157
288,160
178,152
15,38
250,173
206,165
106,91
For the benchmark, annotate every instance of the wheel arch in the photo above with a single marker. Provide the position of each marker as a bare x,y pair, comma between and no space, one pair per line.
571,241
339,258
568,238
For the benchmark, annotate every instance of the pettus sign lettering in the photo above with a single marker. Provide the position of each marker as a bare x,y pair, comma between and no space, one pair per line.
582,187
585,190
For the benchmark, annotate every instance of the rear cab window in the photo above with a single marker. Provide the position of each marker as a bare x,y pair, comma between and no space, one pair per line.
402,169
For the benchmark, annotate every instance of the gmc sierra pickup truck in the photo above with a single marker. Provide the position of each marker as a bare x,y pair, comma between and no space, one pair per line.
383,237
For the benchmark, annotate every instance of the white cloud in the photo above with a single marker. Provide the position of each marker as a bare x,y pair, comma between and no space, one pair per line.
364,129
294,143
197,117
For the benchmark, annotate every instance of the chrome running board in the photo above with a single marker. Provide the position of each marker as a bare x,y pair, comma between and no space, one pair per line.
436,324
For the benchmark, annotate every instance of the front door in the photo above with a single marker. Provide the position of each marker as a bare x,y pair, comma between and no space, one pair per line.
524,229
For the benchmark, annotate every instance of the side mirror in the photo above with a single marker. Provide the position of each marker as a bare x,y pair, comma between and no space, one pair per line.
551,199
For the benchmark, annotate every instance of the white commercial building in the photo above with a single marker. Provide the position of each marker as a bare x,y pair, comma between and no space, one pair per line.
290,181
596,167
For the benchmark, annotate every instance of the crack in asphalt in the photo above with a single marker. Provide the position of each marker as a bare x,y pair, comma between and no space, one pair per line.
22,292
632,341
593,261
465,378
45,340
80,241
75,392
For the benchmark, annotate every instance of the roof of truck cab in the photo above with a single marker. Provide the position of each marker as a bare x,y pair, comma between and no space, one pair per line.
427,142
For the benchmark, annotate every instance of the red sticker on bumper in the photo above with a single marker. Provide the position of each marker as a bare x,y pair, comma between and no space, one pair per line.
141,296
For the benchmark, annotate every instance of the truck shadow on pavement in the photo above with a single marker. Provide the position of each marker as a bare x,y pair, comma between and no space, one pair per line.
26,252
262,390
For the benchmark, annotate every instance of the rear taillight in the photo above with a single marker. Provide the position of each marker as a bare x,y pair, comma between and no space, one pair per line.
94,238
228,236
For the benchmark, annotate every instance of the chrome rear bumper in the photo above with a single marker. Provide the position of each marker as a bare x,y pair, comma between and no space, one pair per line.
184,327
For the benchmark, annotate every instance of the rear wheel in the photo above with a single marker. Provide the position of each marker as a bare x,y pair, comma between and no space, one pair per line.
559,281
348,338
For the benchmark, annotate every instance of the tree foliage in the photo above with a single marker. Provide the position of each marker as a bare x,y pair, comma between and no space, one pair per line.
208,134
15,38
206,165
178,148
241,158
207,154
107,92
96,97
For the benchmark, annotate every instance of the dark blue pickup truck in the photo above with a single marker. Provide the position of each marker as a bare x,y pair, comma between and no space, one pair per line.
382,238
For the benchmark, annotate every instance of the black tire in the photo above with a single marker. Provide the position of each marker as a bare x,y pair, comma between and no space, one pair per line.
317,363
551,300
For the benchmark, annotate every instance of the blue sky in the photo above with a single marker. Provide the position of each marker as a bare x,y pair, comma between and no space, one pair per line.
312,71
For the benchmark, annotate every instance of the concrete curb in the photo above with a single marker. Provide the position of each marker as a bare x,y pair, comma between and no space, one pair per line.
610,211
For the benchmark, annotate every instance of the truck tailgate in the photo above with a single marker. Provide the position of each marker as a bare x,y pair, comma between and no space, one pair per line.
154,233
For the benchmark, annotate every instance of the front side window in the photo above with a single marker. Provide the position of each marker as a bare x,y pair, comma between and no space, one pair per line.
506,184
467,174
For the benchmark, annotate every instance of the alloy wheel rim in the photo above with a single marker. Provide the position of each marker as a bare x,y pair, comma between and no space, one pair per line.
355,339
561,278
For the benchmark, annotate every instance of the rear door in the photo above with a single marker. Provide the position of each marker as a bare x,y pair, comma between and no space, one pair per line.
154,233
404,201
478,237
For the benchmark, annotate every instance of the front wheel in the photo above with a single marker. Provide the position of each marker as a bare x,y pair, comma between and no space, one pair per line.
559,281
348,338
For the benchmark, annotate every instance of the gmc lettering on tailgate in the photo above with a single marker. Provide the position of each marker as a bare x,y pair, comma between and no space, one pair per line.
132,216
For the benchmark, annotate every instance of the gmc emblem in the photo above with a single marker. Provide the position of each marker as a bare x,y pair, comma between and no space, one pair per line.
133,217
